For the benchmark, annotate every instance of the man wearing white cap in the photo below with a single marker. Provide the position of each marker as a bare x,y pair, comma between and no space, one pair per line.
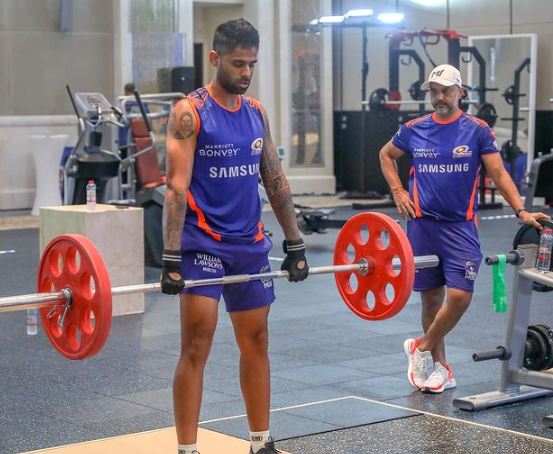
448,148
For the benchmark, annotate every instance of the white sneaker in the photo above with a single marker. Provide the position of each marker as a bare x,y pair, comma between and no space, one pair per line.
417,369
442,378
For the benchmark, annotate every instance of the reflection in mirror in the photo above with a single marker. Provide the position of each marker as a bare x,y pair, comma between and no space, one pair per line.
306,87
510,78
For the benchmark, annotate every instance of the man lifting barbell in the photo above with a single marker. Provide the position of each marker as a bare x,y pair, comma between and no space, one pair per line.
218,144
448,148
75,293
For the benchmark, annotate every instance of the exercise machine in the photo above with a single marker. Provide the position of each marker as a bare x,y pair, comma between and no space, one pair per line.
528,350
146,173
89,159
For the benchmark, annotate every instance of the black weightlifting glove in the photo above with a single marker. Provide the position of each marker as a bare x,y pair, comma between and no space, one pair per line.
295,262
170,263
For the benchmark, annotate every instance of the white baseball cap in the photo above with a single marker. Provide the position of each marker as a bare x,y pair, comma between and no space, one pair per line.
444,75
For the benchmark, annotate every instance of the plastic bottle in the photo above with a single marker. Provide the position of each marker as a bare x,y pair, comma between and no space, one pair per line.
32,322
544,252
91,195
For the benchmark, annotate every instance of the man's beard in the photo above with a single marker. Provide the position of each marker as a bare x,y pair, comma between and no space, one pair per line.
230,87
443,109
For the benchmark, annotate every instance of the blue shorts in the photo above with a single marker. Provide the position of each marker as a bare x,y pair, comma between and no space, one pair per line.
455,243
203,257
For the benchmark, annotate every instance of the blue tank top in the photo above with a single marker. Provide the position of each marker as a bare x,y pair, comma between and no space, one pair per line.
222,198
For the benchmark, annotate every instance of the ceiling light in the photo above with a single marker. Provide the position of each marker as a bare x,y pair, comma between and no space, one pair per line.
359,13
331,19
430,2
390,18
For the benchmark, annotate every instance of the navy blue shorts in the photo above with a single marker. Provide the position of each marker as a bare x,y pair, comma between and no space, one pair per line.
203,257
455,243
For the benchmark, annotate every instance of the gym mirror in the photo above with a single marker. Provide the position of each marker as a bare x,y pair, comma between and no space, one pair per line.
509,76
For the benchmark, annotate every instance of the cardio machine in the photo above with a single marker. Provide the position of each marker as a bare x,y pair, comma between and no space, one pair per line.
89,159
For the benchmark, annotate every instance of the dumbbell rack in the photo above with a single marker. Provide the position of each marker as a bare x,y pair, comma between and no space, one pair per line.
516,383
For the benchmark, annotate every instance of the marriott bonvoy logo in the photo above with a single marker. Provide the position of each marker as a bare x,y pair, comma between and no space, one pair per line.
219,150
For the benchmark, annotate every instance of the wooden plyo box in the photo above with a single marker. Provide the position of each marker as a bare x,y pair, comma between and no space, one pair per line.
118,233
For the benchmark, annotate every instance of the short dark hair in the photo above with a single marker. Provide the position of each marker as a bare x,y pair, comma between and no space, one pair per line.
235,33
129,87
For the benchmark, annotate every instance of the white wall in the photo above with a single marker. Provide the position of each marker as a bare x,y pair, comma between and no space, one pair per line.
17,171
37,59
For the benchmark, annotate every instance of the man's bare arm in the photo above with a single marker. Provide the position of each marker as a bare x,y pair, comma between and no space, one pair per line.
389,154
181,143
276,185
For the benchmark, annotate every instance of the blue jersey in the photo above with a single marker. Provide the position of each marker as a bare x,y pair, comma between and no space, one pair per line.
222,198
443,181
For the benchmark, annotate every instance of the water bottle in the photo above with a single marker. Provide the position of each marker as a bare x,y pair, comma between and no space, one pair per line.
91,195
544,252
32,322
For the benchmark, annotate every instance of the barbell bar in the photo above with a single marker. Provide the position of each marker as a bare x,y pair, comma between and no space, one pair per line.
46,299
409,101
372,255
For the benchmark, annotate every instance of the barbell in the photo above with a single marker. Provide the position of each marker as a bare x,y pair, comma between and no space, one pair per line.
409,101
372,255
380,100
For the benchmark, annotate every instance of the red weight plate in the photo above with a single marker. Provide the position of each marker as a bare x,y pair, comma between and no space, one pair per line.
73,262
393,96
383,292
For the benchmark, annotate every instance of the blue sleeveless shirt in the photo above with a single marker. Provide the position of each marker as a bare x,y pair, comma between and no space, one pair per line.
222,198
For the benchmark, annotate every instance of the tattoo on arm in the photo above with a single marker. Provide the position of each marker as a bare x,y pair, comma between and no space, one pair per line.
181,128
277,187
174,210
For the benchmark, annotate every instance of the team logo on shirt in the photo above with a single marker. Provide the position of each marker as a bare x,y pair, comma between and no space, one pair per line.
257,146
470,272
267,283
462,151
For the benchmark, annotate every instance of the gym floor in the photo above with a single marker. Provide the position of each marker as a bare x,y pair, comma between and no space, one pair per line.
338,382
